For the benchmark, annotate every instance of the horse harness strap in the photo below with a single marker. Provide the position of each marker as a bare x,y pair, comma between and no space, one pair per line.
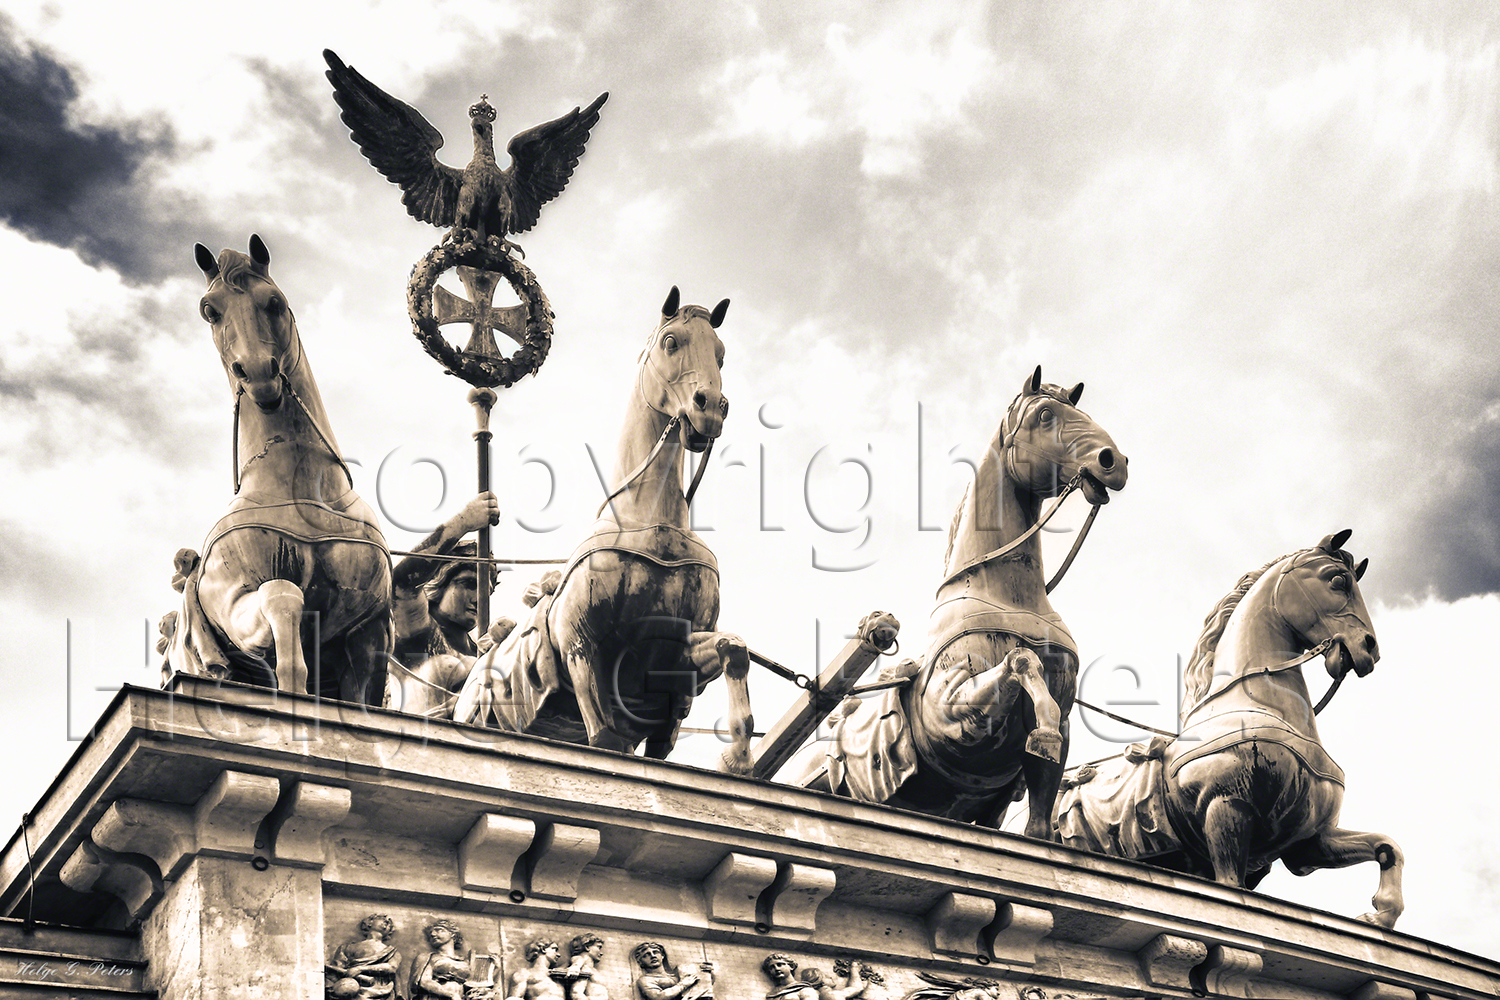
1276,668
302,520
286,382
1016,542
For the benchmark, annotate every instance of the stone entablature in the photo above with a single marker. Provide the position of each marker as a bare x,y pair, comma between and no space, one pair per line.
205,813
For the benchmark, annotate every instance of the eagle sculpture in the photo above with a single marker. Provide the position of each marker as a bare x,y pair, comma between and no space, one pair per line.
403,146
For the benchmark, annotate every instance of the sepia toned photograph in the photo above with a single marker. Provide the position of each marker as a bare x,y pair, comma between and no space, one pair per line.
649,501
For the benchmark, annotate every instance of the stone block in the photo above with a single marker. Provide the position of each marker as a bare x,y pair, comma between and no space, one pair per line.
228,816
1376,990
955,922
796,895
488,853
732,890
558,857
1168,960
1017,931
299,827
1229,971
163,833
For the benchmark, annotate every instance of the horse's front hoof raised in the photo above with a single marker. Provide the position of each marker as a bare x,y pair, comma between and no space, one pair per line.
1045,743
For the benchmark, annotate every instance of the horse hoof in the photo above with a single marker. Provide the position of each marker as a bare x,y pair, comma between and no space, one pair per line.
1386,920
1046,744
736,762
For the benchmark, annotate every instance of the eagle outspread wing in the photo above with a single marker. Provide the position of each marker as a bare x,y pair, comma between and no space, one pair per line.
542,160
401,144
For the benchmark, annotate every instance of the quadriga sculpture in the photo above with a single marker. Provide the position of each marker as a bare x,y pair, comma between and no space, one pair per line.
1247,781
299,557
959,739
616,655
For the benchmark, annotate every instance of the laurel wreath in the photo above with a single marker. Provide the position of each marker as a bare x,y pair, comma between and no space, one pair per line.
479,369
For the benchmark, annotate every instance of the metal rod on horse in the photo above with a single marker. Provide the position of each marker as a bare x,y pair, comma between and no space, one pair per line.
484,400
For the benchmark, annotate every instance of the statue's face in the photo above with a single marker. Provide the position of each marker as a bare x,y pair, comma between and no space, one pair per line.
460,601
439,935
596,950
651,957
781,970
551,952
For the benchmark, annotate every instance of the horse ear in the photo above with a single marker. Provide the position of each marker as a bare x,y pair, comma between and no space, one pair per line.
206,263
1034,383
1335,541
1359,571
718,314
258,251
1075,394
669,307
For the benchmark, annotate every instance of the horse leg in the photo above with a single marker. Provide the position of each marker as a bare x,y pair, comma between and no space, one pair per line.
1046,740
356,670
1336,848
721,652
1227,825
586,688
271,617
1043,776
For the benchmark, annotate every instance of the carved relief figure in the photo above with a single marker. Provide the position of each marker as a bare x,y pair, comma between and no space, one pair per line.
365,967
849,979
781,970
943,988
584,954
535,981
660,980
444,970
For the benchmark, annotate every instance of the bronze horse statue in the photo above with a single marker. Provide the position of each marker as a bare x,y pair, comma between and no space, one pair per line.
957,739
615,655
298,565
1247,782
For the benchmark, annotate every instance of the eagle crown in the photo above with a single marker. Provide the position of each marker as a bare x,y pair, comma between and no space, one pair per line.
483,111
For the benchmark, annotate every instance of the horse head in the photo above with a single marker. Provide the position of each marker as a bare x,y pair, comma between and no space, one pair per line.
1317,595
680,370
252,325
1049,442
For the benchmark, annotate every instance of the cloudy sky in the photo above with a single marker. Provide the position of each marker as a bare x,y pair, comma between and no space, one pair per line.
1265,238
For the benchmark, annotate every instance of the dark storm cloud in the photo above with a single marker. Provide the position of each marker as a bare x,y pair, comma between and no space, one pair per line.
85,187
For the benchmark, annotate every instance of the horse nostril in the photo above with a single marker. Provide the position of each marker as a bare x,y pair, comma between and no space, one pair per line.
1372,647
238,370
700,399
275,368
723,406
1106,458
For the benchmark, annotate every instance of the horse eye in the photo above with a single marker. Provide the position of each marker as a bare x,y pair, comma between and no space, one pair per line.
669,343
1340,583
208,311
1044,415
275,305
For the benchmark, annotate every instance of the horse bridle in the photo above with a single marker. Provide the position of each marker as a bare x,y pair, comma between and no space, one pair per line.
674,420
1295,661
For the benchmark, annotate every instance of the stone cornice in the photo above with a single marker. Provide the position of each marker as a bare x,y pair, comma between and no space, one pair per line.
385,804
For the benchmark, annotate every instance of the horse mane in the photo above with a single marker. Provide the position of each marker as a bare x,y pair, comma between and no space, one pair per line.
1200,670
236,269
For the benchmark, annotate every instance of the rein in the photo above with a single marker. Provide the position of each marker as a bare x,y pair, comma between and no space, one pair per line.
448,696
1277,668
286,383
1016,542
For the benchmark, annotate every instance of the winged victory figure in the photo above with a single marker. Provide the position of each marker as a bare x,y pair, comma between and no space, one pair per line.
403,146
